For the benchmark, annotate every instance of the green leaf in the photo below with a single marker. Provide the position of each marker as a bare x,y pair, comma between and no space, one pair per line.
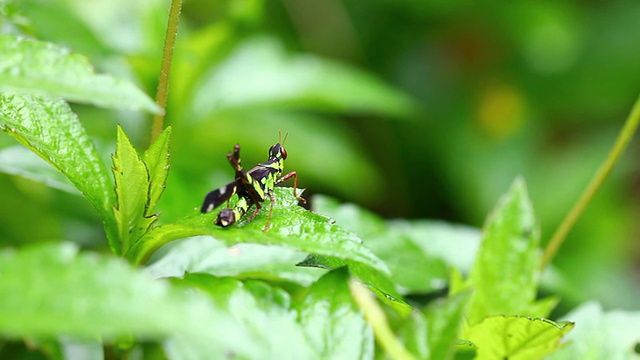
417,252
444,320
132,190
51,290
601,335
377,319
156,160
291,226
376,281
263,311
432,334
18,160
204,254
299,81
332,322
35,67
350,216
508,254
516,337
49,128
455,245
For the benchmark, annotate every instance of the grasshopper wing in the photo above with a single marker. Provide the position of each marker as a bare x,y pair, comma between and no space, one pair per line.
218,196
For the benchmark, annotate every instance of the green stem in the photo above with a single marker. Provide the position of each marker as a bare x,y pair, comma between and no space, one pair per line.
625,136
378,321
167,57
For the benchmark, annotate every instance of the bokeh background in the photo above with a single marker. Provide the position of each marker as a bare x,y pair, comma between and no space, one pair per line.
411,108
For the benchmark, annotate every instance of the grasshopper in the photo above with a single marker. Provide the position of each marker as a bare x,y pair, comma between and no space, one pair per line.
252,187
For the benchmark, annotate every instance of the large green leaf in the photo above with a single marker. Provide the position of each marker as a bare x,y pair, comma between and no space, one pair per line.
298,81
601,335
332,322
516,337
50,290
132,191
49,128
291,226
417,252
506,272
204,254
35,67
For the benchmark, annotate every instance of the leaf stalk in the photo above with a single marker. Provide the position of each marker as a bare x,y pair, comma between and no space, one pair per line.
623,140
165,68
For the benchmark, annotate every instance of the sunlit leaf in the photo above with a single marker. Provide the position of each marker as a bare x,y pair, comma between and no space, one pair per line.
35,67
601,335
516,337
49,128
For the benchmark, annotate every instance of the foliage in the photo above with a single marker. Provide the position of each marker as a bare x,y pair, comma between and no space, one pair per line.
160,280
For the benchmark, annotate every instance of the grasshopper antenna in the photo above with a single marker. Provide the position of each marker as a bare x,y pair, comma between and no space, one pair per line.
280,139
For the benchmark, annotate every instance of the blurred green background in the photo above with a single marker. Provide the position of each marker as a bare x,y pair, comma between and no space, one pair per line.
414,109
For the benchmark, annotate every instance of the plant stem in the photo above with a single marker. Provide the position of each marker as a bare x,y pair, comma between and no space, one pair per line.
378,321
165,67
625,136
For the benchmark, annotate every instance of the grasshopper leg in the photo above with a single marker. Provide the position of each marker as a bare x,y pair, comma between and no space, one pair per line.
293,175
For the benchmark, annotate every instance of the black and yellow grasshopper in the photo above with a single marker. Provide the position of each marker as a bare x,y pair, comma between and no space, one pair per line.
252,187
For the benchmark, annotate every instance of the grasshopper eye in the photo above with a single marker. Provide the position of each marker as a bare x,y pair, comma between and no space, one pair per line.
284,152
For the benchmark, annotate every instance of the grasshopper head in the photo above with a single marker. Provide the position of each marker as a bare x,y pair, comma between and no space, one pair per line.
277,152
